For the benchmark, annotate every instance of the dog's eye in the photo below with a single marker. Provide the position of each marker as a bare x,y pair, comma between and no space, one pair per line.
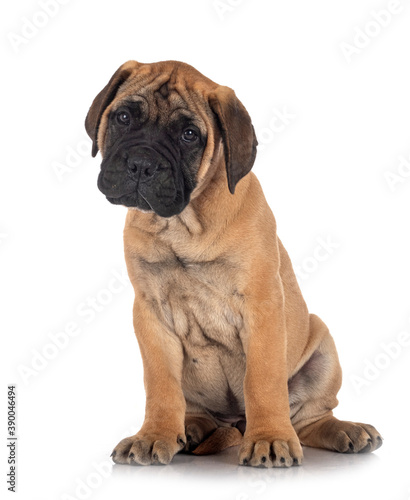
189,135
123,118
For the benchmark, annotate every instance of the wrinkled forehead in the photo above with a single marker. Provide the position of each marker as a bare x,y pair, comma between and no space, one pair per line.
163,97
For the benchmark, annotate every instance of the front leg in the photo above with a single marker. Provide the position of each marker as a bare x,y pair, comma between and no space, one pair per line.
270,439
162,434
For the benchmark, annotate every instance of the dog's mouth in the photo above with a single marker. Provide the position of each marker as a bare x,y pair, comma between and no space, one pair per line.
131,200
162,193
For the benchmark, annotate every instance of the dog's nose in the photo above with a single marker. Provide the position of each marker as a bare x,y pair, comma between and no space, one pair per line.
142,166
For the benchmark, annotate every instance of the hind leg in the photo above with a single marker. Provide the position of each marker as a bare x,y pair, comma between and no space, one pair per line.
341,435
312,395
197,428
205,436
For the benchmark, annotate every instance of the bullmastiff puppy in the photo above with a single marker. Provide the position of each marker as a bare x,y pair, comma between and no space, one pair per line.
231,354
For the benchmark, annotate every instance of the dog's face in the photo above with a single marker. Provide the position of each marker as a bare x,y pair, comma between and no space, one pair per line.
154,149
158,127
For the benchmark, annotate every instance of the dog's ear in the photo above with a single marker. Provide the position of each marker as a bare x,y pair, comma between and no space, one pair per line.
238,134
104,98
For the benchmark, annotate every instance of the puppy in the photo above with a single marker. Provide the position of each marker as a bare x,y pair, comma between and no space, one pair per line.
231,354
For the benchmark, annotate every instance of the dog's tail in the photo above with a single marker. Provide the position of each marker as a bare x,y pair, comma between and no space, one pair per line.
220,439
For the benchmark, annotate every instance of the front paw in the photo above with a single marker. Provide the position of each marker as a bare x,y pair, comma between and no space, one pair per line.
271,449
148,448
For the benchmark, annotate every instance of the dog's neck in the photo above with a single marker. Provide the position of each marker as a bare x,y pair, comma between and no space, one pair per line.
196,231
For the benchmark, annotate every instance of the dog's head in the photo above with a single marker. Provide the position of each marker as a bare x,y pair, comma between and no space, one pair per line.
158,127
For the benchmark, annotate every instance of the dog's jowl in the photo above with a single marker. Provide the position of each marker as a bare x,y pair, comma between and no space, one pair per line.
231,354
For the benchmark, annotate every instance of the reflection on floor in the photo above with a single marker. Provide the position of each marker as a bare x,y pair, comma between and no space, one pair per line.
225,465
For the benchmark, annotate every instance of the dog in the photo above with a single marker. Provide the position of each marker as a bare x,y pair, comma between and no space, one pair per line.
231,354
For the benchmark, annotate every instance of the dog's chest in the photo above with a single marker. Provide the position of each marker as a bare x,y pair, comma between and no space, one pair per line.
200,303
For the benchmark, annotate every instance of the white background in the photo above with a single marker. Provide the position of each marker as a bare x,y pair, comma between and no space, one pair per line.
324,175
